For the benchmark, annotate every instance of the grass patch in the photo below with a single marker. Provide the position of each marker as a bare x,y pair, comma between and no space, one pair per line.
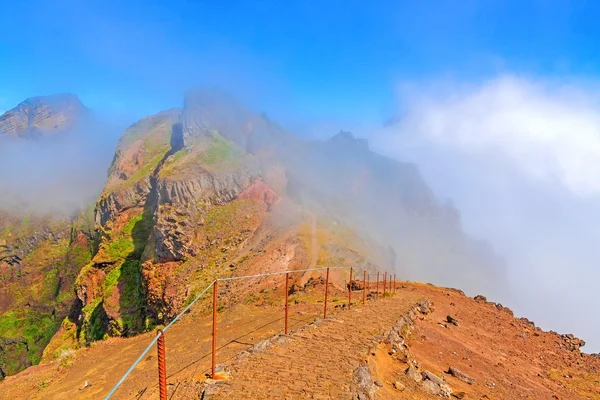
583,383
132,239
33,327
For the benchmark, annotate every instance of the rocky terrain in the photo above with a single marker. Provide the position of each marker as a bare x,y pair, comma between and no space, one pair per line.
400,346
214,189
43,115
197,193
41,254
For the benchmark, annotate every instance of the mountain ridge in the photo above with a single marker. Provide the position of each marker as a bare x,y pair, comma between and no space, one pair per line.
43,116
214,189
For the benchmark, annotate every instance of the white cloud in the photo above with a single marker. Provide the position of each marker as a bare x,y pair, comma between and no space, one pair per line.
521,160
548,130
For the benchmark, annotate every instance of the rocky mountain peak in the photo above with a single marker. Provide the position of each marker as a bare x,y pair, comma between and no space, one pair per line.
347,140
43,115
209,110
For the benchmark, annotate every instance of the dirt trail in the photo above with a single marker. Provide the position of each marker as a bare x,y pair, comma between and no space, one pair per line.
188,345
317,363
507,357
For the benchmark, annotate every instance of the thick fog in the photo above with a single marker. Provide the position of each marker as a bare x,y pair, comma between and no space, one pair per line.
56,175
520,158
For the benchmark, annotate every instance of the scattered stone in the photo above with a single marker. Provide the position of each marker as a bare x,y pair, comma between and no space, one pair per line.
413,374
211,388
455,372
365,387
425,306
459,395
431,387
432,377
480,298
452,320
399,386
571,342
402,356
435,385
393,337
378,383
522,335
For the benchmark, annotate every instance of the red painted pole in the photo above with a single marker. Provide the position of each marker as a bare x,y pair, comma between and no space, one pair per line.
326,291
384,282
350,290
364,286
214,331
377,287
162,365
287,280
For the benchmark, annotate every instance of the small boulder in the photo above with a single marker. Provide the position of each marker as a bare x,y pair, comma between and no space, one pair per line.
432,377
435,385
365,387
413,374
399,386
425,306
458,374
452,320
480,298
431,387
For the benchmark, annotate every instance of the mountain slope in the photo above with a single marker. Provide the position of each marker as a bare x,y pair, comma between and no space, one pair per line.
42,252
43,115
201,192
507,357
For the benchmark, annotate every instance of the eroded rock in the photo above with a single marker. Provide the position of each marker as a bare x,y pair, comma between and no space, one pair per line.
363,381
455,372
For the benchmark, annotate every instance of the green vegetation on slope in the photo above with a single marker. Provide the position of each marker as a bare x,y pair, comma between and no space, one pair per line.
213,153
123,293
33,328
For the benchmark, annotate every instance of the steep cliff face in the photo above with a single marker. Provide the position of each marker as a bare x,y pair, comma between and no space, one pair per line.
41,253
214,190
43,115
152,220
37,292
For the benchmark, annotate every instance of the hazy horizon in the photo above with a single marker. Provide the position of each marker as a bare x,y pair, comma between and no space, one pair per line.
498,105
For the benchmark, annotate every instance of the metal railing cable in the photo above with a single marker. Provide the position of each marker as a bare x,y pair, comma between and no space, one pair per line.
185,310
234,278
114,389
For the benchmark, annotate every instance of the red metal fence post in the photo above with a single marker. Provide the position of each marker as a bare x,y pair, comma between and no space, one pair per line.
377,287
384,282
214,331
390,283
326,291
287,280
364,286
350,289
369,283
162,365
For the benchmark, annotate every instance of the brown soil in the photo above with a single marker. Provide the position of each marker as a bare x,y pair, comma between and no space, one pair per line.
507,357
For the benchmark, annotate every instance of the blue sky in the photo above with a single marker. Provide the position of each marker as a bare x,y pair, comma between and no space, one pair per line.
499,102
335,61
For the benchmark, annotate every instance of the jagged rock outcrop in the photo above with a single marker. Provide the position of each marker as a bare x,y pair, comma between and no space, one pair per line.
43,115
189,191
